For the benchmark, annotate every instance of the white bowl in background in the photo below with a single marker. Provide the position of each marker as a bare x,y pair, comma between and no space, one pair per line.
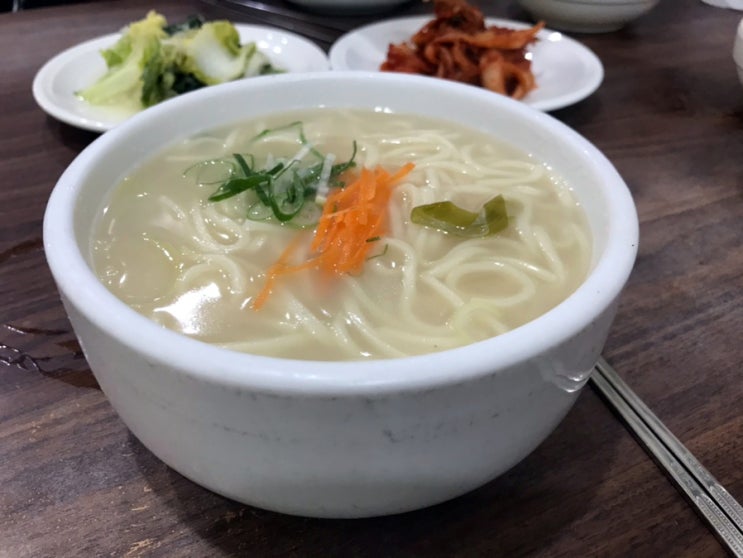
587,16
340,439
738,51
731,4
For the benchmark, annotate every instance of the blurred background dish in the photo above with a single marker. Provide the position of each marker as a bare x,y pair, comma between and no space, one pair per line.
732,4
738,51
587,16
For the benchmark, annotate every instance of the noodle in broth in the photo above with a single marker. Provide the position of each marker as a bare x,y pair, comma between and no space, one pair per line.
194,266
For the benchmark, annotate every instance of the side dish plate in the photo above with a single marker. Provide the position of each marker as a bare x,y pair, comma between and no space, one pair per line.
57,81
566,71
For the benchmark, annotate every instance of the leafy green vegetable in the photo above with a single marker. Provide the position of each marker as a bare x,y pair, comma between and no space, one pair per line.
154,61
157,79
285,189
213,53
183,83
119,52
137,52
194,21
450,218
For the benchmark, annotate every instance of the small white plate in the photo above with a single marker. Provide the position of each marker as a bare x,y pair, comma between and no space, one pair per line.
74,69
565,70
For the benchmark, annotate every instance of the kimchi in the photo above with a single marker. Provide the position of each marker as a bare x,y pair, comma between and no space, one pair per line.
458,45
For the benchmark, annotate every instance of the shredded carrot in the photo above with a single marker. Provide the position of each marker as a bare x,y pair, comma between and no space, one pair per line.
279,268
352,218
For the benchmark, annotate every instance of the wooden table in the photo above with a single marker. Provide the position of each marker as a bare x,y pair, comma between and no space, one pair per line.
669,115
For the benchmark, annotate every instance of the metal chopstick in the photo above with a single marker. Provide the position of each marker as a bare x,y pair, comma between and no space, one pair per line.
713,502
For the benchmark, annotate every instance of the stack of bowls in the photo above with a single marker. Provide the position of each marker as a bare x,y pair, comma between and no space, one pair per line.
587,16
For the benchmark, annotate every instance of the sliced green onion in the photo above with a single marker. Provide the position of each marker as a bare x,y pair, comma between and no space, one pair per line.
284,187
267,132
342,167
211,171
244,166
287,197
380,254
234,186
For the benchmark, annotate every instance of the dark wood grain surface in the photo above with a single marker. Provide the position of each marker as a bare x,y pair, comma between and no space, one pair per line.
669,115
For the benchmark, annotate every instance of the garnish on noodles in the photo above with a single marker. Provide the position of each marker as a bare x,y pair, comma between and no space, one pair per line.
353,217
457,45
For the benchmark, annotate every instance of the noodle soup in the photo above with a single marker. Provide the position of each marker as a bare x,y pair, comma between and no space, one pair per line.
197,266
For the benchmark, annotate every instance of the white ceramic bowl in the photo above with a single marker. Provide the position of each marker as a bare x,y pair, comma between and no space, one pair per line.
738,51
587,16
730,4
340,439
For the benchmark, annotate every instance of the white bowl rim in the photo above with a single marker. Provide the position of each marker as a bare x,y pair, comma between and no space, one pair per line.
344,4
333,378
591,4
738,45
598,3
